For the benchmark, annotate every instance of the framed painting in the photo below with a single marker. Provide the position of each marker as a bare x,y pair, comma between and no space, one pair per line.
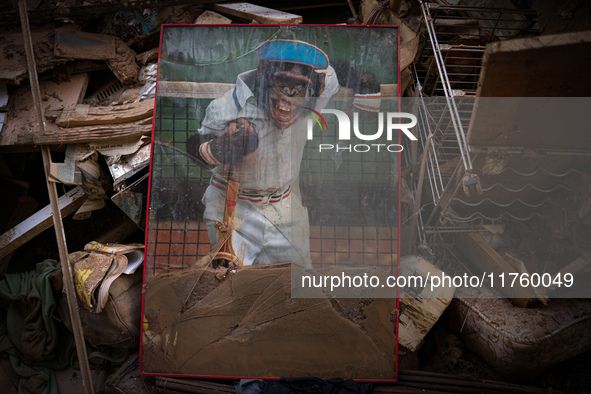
274,174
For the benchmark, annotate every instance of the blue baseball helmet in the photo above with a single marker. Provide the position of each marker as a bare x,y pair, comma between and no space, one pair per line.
293,51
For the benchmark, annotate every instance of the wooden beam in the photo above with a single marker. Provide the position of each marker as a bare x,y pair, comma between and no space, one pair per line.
55,209
84,115
213,90
257,13
39,222
82,134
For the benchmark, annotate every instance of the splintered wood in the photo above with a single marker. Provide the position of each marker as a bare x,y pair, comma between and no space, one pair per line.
248,325
257,13
93,133
84,115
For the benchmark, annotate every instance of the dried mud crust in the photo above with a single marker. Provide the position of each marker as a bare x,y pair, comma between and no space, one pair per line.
123,65
13,52
200,325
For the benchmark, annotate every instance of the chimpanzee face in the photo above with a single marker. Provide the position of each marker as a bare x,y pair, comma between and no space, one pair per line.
288,95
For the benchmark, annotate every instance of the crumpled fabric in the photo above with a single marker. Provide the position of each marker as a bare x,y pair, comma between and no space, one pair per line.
303,386
29,336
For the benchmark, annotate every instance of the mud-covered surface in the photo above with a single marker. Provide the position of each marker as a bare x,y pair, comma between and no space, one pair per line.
444,352
14,60
247,325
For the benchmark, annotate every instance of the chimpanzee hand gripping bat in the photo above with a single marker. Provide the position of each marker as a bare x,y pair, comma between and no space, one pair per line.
239,140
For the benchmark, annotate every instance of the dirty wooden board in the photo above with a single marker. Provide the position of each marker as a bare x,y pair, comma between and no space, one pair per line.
74,135
40,221
14,62
247,324
420,310
21,126
210,18
81,45
210,90
83,115
545,66
254,12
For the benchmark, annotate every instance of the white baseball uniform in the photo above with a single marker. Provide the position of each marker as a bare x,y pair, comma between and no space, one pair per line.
271,225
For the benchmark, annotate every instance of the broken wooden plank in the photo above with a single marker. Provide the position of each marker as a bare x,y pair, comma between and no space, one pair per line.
94,133
39,222
212,18
483,256
84,46
84,115
26,207
420,308
260,14
528,72
119,57
21,124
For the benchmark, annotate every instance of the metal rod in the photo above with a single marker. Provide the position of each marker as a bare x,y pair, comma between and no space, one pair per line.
57,218
455,117
417,202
